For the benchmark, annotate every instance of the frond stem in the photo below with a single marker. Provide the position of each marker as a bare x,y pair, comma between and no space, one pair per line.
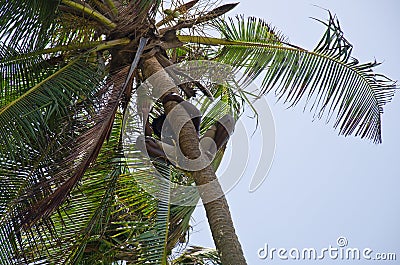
219,41
97,45
225,42
92,13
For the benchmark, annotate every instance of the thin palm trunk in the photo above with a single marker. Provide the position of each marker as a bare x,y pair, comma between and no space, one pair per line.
218,213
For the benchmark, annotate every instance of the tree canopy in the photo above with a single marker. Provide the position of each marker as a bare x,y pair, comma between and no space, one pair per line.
69,193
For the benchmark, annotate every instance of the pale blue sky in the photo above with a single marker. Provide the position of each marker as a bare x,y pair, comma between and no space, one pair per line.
322,186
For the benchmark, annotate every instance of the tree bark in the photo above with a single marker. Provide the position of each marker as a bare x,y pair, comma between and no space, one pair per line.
217,210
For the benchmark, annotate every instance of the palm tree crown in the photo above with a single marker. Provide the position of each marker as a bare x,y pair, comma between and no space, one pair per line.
70,69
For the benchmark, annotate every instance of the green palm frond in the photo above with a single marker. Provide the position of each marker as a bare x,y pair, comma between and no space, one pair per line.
43,104
109,218
136,227
327,78
21,70
32,25
61,237
50,135
51,132
152,241
250,30
33,145
27,23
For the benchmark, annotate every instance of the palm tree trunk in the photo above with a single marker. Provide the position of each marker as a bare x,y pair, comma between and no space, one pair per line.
217,210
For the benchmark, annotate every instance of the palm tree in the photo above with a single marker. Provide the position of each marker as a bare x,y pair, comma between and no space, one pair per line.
69,70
